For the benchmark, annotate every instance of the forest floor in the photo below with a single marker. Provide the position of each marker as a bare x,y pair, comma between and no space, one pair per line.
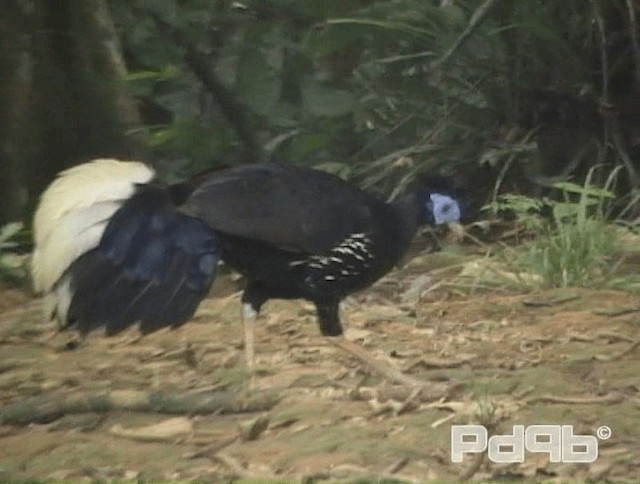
179,405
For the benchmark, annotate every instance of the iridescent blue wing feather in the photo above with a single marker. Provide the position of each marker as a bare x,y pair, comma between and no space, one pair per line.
152,266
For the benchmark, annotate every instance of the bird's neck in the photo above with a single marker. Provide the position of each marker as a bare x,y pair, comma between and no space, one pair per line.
408,209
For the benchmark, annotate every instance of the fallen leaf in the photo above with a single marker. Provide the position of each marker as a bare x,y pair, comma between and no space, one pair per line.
169,429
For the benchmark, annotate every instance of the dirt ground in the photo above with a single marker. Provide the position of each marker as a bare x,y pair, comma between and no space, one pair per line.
178,405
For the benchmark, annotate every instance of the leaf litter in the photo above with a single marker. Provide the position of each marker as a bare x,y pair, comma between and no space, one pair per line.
178,404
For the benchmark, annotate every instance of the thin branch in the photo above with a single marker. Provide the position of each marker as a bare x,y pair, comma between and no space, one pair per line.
435,390
635,41
48,408
476,19
387,371
507,165
610,398
232,108
604,60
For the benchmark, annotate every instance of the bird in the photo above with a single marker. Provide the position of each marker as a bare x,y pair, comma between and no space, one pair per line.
113,247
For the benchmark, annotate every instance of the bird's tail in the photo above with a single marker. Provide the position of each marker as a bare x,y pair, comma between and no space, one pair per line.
112,250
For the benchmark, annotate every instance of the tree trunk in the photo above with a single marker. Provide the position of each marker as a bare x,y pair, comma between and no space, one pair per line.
16,86
66,101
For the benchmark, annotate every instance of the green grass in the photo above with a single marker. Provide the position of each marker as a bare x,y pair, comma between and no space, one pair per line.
574,244
573,254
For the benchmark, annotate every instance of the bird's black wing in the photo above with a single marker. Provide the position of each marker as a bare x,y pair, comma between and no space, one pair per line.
153,266
289,207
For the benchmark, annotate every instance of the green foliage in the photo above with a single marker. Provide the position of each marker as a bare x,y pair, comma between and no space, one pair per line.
575,246
13,265
575,254
526,209
372,85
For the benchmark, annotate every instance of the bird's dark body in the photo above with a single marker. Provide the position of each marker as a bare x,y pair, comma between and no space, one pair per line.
292,232
324,279
294,208
304,234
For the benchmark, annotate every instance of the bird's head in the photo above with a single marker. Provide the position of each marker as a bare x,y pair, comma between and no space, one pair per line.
438,199
439,206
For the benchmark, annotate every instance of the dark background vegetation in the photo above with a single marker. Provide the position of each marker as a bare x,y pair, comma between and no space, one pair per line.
506,95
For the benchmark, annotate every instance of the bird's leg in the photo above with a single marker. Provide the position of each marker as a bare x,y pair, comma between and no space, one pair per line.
329,321
252,300
249,316
329,317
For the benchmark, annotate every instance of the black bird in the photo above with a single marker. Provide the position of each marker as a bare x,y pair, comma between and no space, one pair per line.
114,249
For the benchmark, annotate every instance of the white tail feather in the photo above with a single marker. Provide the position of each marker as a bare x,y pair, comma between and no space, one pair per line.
74,211
56,303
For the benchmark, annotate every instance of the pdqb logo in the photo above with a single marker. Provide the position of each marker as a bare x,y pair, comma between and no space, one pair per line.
558,441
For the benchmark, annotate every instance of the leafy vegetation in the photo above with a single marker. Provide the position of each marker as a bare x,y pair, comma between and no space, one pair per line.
388,90
573,243
13,264
505,95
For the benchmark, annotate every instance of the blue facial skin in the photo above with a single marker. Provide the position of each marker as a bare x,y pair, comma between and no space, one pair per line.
439,207
443,208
